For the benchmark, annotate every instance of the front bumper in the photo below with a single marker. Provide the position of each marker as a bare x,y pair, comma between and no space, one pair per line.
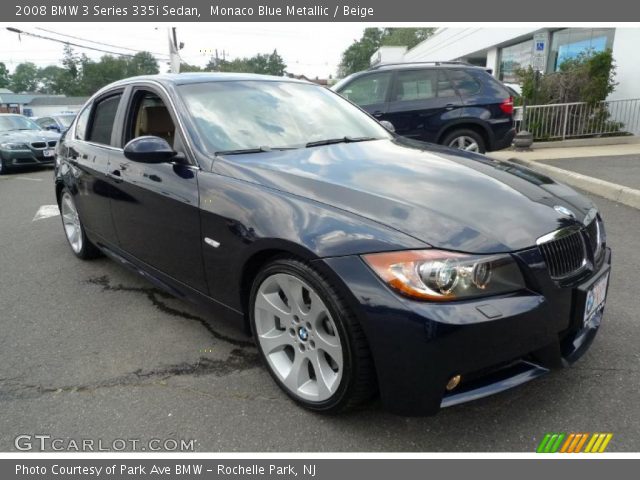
494,343
25,158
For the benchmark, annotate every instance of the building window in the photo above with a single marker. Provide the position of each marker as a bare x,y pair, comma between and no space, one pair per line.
571,42
513,58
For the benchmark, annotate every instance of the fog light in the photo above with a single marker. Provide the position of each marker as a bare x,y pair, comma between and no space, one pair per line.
453,382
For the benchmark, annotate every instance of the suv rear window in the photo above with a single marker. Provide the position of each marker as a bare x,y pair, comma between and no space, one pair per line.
464,83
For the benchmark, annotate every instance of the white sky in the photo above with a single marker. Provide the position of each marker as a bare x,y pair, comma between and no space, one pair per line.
312,49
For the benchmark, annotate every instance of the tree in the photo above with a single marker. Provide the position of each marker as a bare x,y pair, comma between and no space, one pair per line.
24,78
142,63
406,37
54,80
4,76
266,64
186,67
357,56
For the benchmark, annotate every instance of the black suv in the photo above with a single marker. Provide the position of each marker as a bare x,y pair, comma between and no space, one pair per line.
451,103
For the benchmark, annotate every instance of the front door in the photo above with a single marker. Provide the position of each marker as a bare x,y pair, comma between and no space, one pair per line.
155,207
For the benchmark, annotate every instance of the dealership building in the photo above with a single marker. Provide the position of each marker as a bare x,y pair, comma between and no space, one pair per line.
504,50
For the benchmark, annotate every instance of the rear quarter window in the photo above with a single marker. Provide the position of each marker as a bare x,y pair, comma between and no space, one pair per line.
464,82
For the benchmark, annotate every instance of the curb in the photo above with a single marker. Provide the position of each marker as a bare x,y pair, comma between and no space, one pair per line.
611,191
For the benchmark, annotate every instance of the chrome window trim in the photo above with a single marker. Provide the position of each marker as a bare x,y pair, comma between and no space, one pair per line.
187,141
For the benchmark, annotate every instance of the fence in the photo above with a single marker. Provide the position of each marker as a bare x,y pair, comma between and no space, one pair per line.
571,120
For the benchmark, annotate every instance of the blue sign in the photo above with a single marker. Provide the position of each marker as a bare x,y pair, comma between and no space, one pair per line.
539,46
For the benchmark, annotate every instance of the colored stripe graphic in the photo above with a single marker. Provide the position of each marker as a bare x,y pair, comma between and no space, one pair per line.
574,442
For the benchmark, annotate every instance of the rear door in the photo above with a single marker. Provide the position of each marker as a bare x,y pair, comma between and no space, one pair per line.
155,207
370,92
421,102
89,152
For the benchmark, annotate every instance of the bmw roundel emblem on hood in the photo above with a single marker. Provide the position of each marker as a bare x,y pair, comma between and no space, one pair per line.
564,211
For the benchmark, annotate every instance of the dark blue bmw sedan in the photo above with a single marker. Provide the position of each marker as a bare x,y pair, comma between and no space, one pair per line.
362,263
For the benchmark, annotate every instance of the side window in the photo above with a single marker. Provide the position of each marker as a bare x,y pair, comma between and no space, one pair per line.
81,123
104,116
45,122
445,87
149,116
416,85
368,90
464,82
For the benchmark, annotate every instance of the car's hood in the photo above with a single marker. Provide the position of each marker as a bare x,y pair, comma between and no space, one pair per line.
28,136
448,199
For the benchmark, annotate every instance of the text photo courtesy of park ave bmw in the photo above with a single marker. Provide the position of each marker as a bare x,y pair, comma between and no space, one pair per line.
321,228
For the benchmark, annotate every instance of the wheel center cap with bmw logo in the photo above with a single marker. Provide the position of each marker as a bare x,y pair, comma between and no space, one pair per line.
303,334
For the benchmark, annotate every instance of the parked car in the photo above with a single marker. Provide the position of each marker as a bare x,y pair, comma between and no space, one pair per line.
23,143
58,123
450,103
362,262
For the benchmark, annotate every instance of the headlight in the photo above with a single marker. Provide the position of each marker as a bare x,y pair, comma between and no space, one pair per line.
438,275
14,146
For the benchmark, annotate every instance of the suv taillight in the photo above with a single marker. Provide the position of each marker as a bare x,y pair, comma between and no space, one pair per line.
507,106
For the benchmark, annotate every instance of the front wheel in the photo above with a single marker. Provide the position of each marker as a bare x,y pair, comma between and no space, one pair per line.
464,139
310,341
80,245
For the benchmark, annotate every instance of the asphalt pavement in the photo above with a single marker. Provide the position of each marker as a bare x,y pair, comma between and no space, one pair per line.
620,169
91,350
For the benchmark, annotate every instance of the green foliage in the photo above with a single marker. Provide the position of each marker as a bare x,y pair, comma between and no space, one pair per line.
185,67
586,79
4,76
358,55
266,64
79,75
589,77
24,78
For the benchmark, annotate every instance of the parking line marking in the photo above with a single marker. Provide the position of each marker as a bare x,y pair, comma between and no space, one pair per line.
29,178
46,211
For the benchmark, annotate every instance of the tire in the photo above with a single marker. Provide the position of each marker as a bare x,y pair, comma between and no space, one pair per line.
465,139
80,245
310,341
3,168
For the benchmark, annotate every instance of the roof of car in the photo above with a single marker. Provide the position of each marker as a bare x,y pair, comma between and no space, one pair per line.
413,65
204,77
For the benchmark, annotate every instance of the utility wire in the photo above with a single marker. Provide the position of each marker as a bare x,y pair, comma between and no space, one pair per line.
98,43
42,37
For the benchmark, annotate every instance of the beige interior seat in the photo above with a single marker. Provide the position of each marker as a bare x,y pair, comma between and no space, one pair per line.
155,120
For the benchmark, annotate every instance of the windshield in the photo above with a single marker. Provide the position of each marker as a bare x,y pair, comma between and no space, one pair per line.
66,120
17,122
263,114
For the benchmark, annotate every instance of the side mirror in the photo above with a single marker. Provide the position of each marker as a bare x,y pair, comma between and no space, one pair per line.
55,128
388,125
149,149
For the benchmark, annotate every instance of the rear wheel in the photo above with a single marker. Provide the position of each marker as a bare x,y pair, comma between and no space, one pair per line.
465,139
308,338
80,245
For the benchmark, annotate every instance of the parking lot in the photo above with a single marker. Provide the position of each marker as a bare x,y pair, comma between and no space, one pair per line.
90,350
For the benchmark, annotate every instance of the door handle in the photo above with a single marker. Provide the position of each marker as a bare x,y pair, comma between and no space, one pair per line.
450,106
377,113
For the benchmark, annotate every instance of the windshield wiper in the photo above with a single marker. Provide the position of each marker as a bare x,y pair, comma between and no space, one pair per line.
252,150
331,141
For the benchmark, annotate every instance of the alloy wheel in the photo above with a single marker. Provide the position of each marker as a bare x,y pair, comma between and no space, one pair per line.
298,336
465,143
71,222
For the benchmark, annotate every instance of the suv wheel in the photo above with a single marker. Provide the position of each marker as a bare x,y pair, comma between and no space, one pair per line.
310,341
468,140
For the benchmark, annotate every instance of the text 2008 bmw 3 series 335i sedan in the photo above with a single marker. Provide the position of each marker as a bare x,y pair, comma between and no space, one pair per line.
362,263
